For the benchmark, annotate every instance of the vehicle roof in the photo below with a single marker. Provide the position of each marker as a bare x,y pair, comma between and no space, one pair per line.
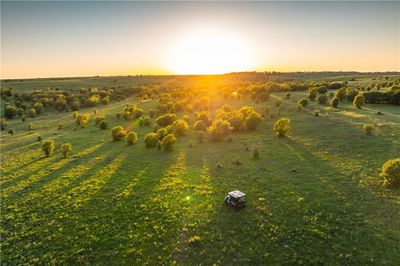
237,194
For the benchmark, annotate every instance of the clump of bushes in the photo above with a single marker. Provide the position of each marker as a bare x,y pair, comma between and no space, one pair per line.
303,102
166,120
168,142
335,102
219,129
118,133
151,140
48,147
368,129
322,99
66,149
103,125
391,173
282,126
131,138
180,127
358,101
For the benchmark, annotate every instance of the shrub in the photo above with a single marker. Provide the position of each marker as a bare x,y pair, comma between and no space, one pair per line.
186,118
82,117
10,111
180,127
31,113
322,89
194,240
23,118
341,94
66,149
83,123
147,121
252,121
256,153
3,124
368,129
166,120
11,131
127,115
140,121
60,126
30,126
303,102
118,116
200,125
131,138
335,102
282,126
118,133
103,125
219,129
312,94
137,112
322,99
358,101
162,132
205,116
75,114
351,94
391,173
38,107
168,142
287,95
39,138
48,147
299,108
151,140
75,106
99,118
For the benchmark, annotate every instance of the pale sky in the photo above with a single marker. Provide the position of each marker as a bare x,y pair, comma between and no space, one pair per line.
56,39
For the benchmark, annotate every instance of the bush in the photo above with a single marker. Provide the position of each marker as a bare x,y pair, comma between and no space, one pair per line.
351,94
200,125
38,107
205,116
166,120
30,126
341,94
180,127
303,102
219,129
48,147
252,121
131,138
312,94
3,124
368,129
147,121
168,142
118,133
256,153
39,138
103,125
186,118
99,118
287,95
282,126
151,140
11,131
10,111
299,108
23,118
140,121
31,113
391,173
322,99
75,114
66,149
118,116
335,102
60,126
322,89
358,101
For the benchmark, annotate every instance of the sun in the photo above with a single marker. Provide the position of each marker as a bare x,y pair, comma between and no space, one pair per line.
209,52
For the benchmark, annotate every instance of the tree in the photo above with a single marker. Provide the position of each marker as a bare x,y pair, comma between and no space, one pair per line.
48,147
391,173
66,149
358,101
335,102
282,126
118,133
131,138
168,142
151,140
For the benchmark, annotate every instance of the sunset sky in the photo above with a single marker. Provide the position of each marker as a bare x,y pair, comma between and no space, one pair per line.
54,39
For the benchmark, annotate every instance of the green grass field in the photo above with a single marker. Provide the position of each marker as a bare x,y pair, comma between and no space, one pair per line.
314,197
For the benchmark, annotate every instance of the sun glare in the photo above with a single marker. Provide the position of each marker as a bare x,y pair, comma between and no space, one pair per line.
209,52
